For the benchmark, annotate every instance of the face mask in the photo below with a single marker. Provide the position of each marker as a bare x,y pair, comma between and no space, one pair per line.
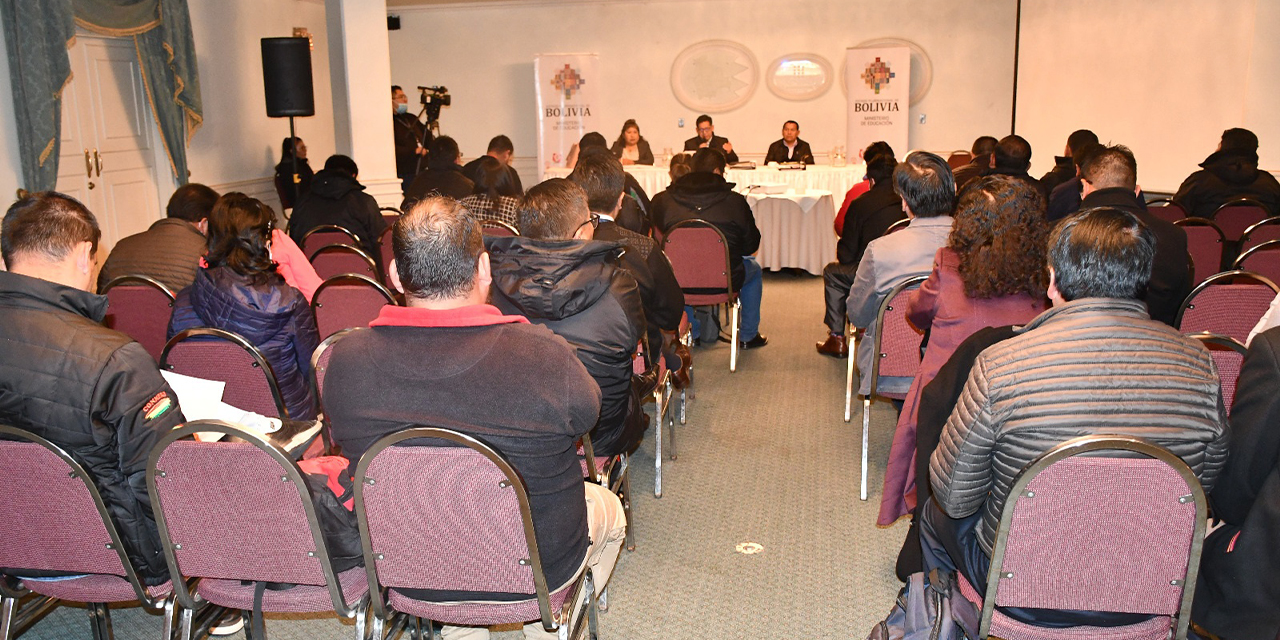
402,108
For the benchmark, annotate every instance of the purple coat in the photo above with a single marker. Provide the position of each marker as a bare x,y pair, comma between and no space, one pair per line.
941,307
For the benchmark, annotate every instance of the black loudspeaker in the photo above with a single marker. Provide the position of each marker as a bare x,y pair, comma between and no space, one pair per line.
393,23
286,75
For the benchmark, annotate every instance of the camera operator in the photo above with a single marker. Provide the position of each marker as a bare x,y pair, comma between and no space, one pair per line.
411,137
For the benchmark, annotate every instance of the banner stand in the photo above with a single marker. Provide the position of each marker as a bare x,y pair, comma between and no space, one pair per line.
566,86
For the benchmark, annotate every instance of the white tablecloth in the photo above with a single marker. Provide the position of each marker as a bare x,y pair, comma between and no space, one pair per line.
795,230
837,180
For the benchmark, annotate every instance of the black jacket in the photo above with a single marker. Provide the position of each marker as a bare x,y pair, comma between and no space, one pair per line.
717,142
870,214
1170,276
1020,175
472,170
646,154
1063,170
577,290
407,130
1239,582
169,251
449,181
1064,200
337,198
91,391
778,152
1227,175
636,208
659,291
966,174
273,317
709,197
290,191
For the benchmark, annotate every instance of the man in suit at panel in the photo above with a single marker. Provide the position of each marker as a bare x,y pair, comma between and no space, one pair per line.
707,139
790,148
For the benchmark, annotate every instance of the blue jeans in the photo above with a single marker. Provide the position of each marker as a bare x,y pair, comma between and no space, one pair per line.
750,295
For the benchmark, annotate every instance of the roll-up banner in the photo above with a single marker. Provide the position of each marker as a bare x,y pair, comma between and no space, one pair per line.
566,85
879,81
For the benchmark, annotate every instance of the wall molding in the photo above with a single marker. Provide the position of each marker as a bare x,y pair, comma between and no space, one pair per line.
489,4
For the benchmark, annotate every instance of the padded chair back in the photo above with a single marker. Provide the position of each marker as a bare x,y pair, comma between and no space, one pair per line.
1228,357
897,349
1229,304
214,354
235,511
1119,534
1205,243
1264,231
327,234
1236,216
1166,209
338,259
898,226
498,229
1263,259
348,301
387,252
959,158
699,255
320,366
139,307
390,215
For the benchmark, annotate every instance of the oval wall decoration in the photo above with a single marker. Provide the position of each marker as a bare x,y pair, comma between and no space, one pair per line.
921,66
799,76
714,76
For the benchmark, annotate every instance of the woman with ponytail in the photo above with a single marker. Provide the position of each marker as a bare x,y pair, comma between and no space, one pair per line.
239,289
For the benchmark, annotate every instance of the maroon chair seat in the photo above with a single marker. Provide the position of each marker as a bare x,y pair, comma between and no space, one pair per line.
1166,209
214,354
1264,231
1263,259
325,235
299,599
1228,358
348,301
1236,216
1206,244
1229,304
339,259
139,307
699,256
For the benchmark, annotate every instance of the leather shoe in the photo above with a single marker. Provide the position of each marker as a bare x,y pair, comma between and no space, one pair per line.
754,343
835,346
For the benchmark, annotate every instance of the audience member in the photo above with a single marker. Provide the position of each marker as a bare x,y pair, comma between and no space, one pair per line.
679,166
443,176
704,194
601,177
242,292
1094,364
411,138
1239,579
290,185
1228,173
556,275
495,196
790,148
868,218
72,381
292,264
631,147
500,149
1110,178
982,149
928,192
1012,157
338,198
1065,167
1064,199
515,385
990,273
634,215
874,149
170,249
707,139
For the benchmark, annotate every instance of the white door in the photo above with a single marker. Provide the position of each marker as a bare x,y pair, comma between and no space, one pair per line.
109,139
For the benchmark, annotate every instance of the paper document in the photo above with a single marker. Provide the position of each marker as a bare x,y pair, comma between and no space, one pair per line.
201,399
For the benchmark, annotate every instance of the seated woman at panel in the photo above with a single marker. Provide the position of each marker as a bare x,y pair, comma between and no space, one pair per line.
991,273
240,290
287,187
631,147
495,195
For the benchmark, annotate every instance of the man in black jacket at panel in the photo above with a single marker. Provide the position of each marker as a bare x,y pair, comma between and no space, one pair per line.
443,175
68,379
868,218
338,198
790,148
1228,173
707,139
1110,179
558,276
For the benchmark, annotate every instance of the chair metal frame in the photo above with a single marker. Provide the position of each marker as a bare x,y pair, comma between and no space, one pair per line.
618,467
317,388
896,226
260,360
386,253
1216,279
330,228
498,224
1205,222
346,248
551,621
1265,246
1240,202
1226,342
734,303
1086,444
142,280
187,594
661,396
1161,203
885,305
350,278
14,616
1273,221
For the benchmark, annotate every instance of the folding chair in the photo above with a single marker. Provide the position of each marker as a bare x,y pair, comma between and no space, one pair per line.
614,474
320,368
390,215
1229,303
1118,534
455,518
695,248
1228,357
386,253
236,514
214,354
55,520
139,307
1257,234
1235,216
661,397
1166,209
959,159
897,226
338,259
347,301
498,228
325,235
1262,259
897,350
1206,244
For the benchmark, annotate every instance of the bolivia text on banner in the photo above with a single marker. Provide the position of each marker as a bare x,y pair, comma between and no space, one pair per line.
879,80
566,86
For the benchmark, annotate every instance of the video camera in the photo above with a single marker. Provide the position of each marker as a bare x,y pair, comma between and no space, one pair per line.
432,99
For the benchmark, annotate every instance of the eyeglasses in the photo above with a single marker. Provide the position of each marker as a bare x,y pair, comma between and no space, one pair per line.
594,221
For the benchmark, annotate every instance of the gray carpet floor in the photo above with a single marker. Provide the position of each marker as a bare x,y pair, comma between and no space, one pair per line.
765,458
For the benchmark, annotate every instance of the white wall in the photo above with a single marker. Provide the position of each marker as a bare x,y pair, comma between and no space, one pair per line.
484,54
